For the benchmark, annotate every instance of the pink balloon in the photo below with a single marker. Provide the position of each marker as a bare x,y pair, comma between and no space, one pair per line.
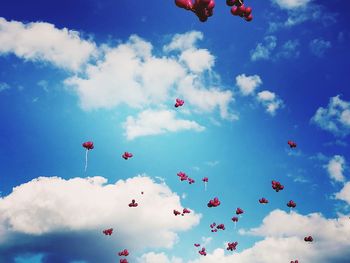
211,4
248,11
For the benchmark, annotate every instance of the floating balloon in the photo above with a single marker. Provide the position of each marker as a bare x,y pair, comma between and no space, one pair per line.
296,261
239,9
205,180
232,246
124,253
291,204
235,220
186,211
108,232
308,239
176,213
179,103
88,146
292,144
183,176
221,226
186,4
197,245
202,252
190,180
277,186
142,193
263,201
133,203
239,211
123,260
127,155
214,202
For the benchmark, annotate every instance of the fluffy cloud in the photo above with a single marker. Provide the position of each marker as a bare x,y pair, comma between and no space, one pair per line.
248,84
283,235
263,50
291,4
130,74
270,100
335,118
335,168
344,193
158,258
151,122
48,211
41,41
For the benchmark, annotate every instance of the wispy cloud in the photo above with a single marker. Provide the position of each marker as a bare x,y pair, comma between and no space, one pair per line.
319,46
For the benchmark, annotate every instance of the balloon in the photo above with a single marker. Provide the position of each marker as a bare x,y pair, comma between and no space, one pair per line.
277,186
179,103
235,219
108,232
214,202
211,4
124,253
176,213
248,11
249,18
239,211
127,155
133,203
296,261
230,2
263,201
88,146
183,176
308,239
186,211
190,180
232,246
234,11
197,245
292,144
291,204
123,260
186,4
202,252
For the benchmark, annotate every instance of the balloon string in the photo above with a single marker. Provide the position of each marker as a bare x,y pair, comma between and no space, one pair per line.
205,186
235,225
86,159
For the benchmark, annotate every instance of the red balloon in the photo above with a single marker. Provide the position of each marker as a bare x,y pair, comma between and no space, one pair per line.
230,2
249,18
211,4
187,4
88,145
248,11
234,11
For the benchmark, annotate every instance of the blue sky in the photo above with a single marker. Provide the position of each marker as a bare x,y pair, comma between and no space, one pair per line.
110,71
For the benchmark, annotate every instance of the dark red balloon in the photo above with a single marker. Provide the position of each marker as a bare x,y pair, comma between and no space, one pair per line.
186,4
88,145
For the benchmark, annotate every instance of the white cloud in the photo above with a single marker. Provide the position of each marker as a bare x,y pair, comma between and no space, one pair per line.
283,235
47,210
263,50
270,100
4,86
344,193
184,41
130,74
152,122
248,84
319,46
39,41
335,168
335,118
291,4
197,60
289,49
152,257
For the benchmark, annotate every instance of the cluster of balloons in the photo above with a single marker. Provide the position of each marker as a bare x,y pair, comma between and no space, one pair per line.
133,203
238,9
234,219
176,213
205,8
123,260
232,246
291,204
202,8
308,239
202,252
184,177
212,226
197,245
127,155
108,232
263,201
295,261
292,144
190,180
123,253
184,211
239,211
179,103
277,186
221,226
214,202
